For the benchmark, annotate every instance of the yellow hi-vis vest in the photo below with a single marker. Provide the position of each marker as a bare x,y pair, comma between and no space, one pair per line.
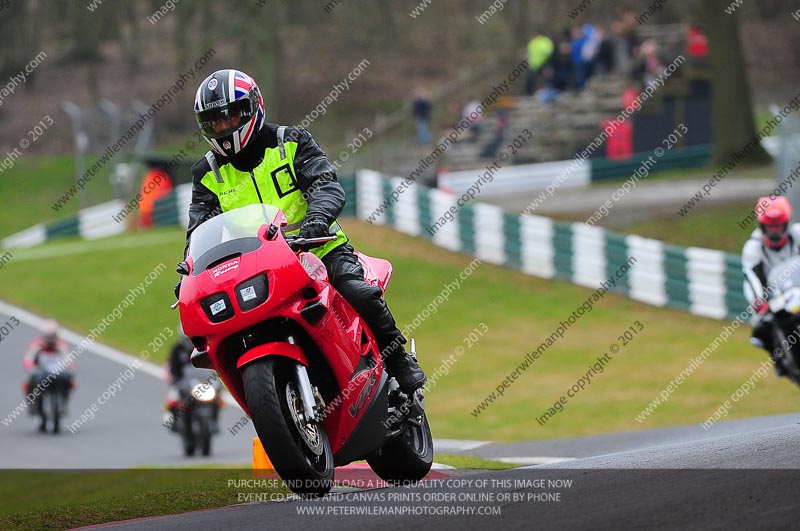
272,182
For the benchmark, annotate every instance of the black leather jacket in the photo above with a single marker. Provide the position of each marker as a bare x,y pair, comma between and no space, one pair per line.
316,176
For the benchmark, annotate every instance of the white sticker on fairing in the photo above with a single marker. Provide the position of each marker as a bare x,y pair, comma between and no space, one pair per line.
218,307
248,293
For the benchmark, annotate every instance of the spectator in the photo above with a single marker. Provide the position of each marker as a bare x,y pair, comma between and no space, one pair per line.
576,52
604,59
155,185
589,50
501,122
421,109
627,37
637,66
653,64
562,66
469,111
540,51
697,46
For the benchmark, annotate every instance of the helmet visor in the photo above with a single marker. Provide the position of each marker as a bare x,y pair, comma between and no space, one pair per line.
224,120
774,231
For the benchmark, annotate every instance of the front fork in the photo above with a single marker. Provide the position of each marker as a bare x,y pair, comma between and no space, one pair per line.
307,394
401,406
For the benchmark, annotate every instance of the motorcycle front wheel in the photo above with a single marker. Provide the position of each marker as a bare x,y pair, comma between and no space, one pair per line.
297,447
205,436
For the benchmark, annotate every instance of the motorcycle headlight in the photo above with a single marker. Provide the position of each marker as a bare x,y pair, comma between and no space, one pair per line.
204,393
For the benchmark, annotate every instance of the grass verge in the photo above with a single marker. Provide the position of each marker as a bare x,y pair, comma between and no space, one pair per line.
495,318
68,499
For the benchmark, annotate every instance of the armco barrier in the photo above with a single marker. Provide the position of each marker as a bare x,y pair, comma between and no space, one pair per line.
701,281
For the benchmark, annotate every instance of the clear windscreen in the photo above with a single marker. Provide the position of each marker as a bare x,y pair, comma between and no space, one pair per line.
235,224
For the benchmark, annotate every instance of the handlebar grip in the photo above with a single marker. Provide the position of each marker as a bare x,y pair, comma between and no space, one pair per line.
309,243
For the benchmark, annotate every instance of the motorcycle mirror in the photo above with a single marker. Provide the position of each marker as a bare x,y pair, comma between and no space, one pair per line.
183,268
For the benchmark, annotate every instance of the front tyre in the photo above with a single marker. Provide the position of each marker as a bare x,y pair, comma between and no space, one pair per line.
205,436
298,448
55,398
408,457
188,438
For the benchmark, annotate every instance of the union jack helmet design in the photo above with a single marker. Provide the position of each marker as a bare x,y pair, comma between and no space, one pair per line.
229,110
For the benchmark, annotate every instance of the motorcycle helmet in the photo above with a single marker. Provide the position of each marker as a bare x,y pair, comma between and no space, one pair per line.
49,333
773,219
229,111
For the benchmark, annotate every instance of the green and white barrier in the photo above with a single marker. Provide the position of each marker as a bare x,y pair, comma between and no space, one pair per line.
701,281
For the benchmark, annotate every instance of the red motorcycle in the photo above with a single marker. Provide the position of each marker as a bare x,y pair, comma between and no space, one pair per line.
295,355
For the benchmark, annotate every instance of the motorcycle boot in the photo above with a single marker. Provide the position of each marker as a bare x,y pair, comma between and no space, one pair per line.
405,369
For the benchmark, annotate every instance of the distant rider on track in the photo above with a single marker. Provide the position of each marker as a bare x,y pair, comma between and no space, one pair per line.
47,354
775,240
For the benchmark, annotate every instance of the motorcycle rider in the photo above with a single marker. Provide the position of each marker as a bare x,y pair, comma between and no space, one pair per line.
179,356
252,162
47,354
775,240
179,359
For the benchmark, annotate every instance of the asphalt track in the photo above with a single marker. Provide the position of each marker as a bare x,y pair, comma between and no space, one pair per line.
670,478
700,484
126,430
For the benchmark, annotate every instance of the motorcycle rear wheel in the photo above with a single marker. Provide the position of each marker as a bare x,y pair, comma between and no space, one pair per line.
408,457
269,385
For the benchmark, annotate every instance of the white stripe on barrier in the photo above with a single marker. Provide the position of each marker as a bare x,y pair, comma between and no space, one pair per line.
536,233
705,269
448,234
588,255
369,196
29,237
647,276
183,198
406,213
98,221
490,241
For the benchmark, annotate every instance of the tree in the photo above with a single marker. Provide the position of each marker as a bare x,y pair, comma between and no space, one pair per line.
733,125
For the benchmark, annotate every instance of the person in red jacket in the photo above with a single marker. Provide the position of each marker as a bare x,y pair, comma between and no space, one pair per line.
155,185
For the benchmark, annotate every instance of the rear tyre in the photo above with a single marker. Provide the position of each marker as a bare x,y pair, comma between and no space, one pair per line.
408,457
298,449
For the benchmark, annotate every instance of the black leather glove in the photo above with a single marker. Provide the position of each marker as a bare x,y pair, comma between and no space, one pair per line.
314,228
178,289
